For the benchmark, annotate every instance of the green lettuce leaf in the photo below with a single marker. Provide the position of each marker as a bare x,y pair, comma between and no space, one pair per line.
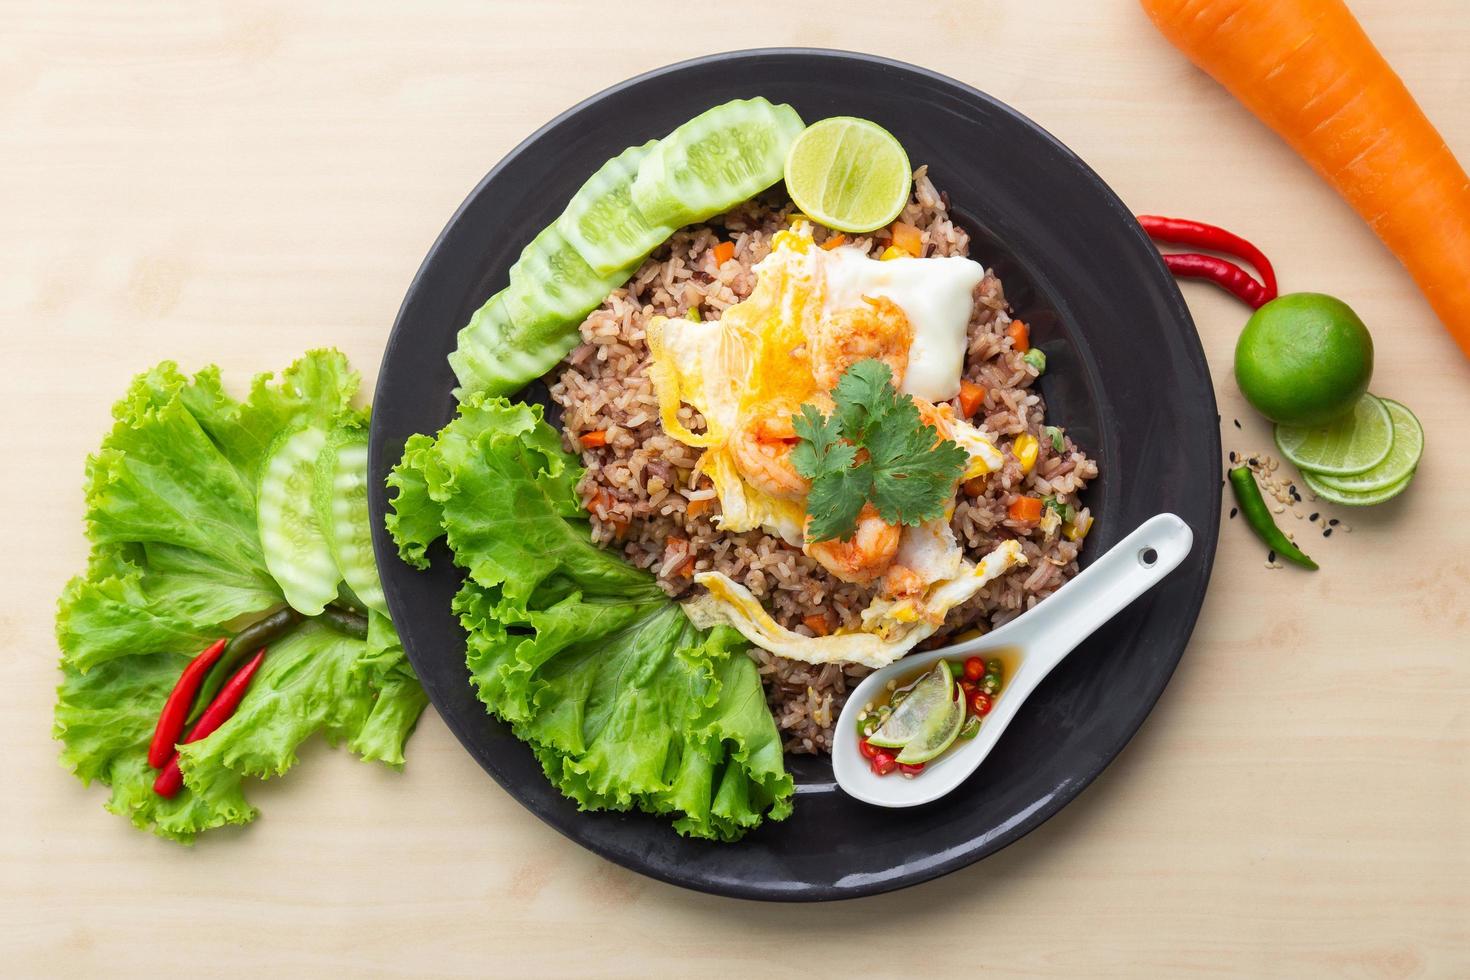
176,562
625,703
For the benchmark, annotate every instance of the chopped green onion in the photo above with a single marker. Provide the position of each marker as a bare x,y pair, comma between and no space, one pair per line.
1036,359
1063,509
1055,435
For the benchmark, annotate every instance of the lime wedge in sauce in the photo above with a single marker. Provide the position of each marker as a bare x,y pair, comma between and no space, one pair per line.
939,732
929,697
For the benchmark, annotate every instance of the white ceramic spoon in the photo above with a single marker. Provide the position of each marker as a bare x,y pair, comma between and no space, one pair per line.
1041,637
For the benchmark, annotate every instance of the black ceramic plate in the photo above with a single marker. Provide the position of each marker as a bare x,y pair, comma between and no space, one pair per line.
1125,376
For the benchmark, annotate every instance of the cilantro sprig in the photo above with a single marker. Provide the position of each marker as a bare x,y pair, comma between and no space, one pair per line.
873,448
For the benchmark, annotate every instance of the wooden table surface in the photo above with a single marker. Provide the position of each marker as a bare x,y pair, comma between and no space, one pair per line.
237,182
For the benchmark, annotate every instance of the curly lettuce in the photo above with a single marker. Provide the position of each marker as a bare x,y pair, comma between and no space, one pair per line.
625,703
176,561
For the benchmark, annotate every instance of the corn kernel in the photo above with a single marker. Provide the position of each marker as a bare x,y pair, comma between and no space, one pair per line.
1077,530
893,252
1026,449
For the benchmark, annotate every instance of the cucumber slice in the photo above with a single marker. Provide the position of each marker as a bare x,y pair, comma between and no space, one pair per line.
704,167
499,350
342,512
296,550
555,279
485,356
714,161
603,224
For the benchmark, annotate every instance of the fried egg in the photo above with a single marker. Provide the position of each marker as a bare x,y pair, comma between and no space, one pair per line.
771,353
891,627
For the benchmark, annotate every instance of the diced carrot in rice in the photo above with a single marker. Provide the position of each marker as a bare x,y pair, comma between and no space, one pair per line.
908,238
817,623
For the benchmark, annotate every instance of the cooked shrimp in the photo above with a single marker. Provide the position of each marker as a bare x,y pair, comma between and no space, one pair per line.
761,448
879,329
862,557
900,581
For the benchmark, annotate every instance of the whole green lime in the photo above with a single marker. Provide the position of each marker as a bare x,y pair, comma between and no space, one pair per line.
1304,359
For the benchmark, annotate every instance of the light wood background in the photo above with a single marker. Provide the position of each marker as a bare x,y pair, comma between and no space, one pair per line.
236,182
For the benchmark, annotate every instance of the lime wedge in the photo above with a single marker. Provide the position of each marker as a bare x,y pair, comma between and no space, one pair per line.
929,697
1401,461
849,174
1349,499
938,734
1355,444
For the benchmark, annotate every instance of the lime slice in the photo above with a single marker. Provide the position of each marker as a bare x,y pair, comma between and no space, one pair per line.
849,174
938,734
1401,461
1356,444
1348,499
929,697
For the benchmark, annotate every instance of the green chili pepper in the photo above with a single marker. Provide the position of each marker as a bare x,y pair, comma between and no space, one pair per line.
1258,515
345,621
241,647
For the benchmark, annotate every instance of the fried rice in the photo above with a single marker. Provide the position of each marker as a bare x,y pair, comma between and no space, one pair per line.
644,501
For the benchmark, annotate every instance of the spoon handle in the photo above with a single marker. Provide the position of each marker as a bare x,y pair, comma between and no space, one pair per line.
1102,590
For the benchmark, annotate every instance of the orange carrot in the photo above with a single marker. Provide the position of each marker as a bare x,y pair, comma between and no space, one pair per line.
1025,509
908,238
1307,70
594,439
972,396
724,252
817,623
697,506
1020,335
836,241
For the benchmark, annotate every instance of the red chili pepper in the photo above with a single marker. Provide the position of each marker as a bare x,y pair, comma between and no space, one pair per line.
1225,274
171,779
176,709
1177,231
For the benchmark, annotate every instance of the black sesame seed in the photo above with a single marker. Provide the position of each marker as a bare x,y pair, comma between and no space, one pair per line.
1334,522
1254,462
1327,533
1233,512
1232,455
1314,516
1237,423
1271,557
